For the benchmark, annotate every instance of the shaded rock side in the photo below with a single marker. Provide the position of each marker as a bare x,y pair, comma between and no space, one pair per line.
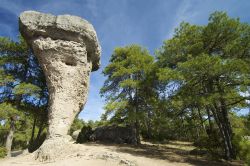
75,134
115,134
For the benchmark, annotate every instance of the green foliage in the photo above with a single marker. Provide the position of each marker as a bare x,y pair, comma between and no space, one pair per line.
77,125
84,135
245,150
211,143
94,124
3,152
192,89
7,110
209,71
190,92
5,78
123,90
27,88
23,91
241,138
127,86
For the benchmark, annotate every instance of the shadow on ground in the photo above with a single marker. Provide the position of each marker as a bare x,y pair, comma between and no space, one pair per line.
16,153
172,152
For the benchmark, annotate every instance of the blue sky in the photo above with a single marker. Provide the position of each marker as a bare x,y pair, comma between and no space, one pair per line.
122,22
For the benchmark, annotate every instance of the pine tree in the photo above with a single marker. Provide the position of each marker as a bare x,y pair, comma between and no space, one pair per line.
122,89
23,90
209,66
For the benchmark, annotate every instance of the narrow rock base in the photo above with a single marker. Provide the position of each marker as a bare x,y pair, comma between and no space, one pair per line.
54,148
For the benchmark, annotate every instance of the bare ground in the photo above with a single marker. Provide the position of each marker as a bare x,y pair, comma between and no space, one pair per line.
174,153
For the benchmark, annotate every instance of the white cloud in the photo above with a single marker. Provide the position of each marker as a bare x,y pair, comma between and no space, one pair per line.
184,12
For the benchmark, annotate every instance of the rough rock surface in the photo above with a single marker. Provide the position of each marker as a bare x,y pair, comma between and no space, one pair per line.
75,134
114,134
67,50
33,24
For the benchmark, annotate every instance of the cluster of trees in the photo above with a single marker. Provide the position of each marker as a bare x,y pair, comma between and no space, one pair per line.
189,90
23,96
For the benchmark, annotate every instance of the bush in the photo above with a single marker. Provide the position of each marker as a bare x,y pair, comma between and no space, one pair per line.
242,143
212,144
84,135
244,150
3,152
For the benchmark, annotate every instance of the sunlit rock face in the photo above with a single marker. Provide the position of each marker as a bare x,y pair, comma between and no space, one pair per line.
67,49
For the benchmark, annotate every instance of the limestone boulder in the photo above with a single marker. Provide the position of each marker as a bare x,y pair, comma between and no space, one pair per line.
75,134
114,134
67,49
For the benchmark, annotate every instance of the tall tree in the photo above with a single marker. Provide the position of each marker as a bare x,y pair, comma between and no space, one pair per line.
209,66
122,89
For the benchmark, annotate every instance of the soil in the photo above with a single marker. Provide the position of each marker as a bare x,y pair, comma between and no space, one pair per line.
173,153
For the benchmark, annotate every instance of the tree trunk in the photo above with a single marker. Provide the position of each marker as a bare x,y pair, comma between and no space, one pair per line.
228,128
40,130
209,119
226,123
33,130
138,141
201,119
9,138
225,133
220,114
137,125
149,125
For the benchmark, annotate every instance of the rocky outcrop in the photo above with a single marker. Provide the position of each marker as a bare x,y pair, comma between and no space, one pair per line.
67,50
114,134
75,134
33,25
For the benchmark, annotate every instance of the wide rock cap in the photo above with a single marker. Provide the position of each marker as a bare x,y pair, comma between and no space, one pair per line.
34,24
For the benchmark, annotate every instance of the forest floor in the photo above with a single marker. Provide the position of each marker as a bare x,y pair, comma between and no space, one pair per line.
173,153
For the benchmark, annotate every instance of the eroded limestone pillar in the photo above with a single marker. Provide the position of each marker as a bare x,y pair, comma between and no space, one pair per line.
67,50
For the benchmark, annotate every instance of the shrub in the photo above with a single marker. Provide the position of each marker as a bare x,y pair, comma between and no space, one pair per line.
244,150
84,135
3,152
212,144
242,144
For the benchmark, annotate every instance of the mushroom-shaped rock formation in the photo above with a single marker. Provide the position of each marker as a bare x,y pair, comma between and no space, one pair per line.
67,49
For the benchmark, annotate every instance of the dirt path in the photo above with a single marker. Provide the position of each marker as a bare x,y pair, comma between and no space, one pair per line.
171,154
